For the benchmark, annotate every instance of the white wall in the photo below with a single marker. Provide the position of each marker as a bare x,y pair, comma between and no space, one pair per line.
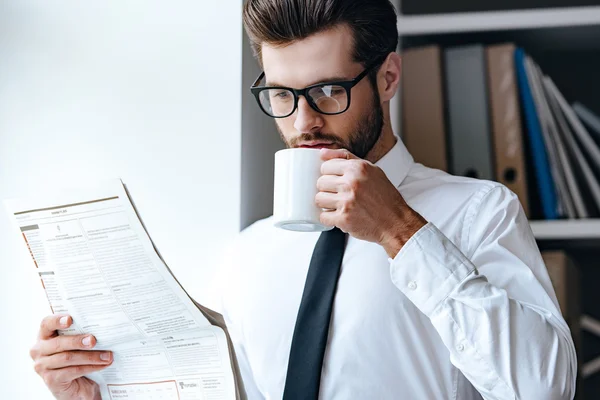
147,91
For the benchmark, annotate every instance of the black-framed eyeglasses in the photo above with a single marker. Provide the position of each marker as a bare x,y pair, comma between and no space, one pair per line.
329,98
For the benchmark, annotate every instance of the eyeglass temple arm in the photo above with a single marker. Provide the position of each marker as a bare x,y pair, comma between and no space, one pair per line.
371,66
257,81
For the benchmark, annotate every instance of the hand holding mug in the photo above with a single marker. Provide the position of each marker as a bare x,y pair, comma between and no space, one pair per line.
363,202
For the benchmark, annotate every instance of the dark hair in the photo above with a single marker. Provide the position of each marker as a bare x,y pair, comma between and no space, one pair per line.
280,22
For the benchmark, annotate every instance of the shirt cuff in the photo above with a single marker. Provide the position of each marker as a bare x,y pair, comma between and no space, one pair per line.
428,268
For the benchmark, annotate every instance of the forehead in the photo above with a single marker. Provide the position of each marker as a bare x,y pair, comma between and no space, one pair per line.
319,57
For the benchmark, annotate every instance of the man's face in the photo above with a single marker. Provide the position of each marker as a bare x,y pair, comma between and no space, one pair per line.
324,57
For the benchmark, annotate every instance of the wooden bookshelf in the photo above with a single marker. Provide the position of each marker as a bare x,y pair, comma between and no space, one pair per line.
513,24
410,25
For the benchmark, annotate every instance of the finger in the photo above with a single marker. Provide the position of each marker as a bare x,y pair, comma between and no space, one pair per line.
69,374
77,357
330,183
327,200
52,323
65,343
329,217
329,154
336,166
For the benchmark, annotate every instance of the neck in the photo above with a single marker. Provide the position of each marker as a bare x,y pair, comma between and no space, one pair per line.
384,144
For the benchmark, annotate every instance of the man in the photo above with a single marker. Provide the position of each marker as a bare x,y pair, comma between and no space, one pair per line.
442,292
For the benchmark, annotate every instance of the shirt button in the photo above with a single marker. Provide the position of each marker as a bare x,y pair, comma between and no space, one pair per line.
460,348
412,285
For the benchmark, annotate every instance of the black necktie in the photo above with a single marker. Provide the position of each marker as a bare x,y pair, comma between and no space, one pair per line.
312,323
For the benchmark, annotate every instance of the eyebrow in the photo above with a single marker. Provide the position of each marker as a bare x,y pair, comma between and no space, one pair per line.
320,81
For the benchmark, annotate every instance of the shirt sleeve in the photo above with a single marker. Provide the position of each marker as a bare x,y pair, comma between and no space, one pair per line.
492,302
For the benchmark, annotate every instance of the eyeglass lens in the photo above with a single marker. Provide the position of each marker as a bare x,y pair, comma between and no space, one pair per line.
329,99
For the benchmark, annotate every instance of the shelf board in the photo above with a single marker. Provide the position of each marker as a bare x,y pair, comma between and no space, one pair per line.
578,229
411,25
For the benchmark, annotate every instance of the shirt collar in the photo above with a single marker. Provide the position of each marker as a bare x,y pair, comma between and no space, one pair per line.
396,163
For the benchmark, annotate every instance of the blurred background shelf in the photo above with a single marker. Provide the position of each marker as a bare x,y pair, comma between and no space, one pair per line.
426,24
567,229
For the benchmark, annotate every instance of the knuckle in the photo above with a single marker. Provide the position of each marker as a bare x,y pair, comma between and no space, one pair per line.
67,357
56,345
75,342
351,197
38,367
322,168
348,207
92,357
320,182
346,186
358,166
44,325
34,352
353,185
361,167
326,218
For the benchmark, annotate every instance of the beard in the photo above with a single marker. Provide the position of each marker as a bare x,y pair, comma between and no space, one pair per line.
359,142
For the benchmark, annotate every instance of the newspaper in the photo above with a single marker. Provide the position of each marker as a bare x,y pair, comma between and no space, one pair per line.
97,263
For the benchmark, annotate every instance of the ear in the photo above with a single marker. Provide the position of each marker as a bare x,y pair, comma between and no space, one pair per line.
388,77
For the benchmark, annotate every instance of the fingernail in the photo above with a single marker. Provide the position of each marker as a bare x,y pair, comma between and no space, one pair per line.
87,341
64,320
105,356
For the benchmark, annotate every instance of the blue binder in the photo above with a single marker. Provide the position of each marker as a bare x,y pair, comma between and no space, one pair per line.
541,165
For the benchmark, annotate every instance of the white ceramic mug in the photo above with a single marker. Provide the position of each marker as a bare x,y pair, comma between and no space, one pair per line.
296,175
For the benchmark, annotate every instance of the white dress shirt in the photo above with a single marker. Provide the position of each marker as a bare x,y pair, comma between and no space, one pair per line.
465,310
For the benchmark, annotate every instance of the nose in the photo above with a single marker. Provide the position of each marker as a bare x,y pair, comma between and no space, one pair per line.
307,119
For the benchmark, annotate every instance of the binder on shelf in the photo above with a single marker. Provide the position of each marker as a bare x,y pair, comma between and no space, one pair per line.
490,112
507,134
423,121
573,192
562,110
469,133
541,166
589,118
587,143
571,187
564,200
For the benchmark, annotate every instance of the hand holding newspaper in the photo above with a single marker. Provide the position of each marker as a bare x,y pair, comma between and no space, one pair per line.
97,263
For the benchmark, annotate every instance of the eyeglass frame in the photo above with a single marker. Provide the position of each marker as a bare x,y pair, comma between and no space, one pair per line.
346,84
